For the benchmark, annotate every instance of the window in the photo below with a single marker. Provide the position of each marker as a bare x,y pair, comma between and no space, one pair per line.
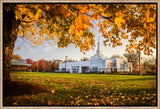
75,69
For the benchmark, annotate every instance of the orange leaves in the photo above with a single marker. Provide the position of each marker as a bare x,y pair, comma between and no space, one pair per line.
47,7
30,14
85,20
79,23
77,6
124,36
86,96
71,29
72,102
115,91
49,103
82,8
136,98
122,97
52,91
20,9
38,14
63,10
15,103
139,20
129,98
118,21
96,16
81,20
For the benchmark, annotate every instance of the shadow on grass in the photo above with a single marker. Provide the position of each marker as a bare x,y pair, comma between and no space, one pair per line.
14,88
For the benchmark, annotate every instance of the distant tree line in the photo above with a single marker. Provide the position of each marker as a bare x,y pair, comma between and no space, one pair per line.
148,65
43,65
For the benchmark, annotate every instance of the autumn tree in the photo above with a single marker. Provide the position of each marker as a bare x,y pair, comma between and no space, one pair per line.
36,66
54,66
67,24
42,65
15,56
29,61
132,57
48,65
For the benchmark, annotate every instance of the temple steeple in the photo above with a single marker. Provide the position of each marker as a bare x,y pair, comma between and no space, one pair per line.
98,47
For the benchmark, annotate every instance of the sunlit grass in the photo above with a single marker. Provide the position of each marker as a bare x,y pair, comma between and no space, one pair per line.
87,89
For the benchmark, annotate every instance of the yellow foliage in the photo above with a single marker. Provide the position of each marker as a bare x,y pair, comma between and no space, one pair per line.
77,6
124,36
123,97
96,16
139,20
81,20
71,29
118,21
86,26
38,14
79,23
86,96
86,20
47,7
63,10
30,14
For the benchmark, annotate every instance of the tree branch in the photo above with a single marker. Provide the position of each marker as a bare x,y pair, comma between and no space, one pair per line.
27,21
108,18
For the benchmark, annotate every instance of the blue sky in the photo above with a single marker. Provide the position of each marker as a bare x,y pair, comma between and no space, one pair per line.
50,53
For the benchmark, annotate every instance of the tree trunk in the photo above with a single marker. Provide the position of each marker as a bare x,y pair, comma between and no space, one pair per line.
10,29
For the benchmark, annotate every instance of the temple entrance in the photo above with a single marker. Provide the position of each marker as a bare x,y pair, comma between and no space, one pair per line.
85,69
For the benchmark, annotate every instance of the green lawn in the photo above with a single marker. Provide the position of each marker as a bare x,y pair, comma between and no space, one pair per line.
86,89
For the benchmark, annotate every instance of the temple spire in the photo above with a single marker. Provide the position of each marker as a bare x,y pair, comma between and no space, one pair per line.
98,38
98,47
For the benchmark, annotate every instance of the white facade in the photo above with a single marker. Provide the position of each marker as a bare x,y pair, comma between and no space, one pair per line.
97,63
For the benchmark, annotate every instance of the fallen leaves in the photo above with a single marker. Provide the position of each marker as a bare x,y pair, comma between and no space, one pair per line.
52,91
102,91
15,103
49,103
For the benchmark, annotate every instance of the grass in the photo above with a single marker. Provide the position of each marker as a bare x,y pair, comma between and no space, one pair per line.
86,89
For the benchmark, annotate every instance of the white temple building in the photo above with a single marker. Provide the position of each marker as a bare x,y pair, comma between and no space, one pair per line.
97,63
